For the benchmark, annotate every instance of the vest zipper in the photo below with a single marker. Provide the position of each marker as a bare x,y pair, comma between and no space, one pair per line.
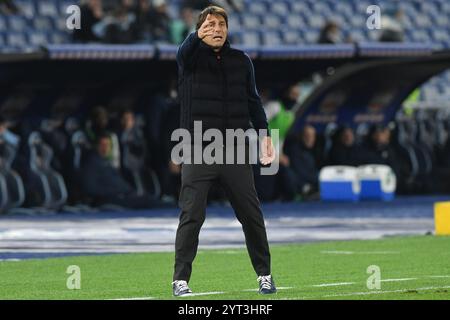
224,94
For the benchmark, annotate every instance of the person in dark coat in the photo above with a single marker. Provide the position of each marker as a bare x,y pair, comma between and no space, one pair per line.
105,184
378,150
217,87
344,151
301,153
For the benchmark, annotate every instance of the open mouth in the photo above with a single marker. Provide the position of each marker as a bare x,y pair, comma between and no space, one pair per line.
217,38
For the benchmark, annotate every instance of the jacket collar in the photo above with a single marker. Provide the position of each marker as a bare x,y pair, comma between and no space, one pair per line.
225,48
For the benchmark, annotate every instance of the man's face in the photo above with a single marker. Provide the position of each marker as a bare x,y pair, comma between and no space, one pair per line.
348,138
104,147
220,31
128,121
309,137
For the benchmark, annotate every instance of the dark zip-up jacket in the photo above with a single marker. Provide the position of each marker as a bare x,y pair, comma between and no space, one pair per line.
217,88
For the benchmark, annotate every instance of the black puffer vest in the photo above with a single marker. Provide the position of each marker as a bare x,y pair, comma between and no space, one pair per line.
214,90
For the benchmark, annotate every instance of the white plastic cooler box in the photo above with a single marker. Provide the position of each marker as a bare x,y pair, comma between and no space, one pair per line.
339,183
378,182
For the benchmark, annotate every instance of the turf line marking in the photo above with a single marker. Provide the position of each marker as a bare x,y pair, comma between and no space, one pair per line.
333,284
278,288
438,276
382,292
360,252
201,294
137,298
394,280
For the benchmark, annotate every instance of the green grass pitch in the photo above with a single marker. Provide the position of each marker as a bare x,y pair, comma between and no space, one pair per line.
411,268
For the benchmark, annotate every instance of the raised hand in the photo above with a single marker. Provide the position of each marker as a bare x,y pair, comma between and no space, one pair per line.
206,29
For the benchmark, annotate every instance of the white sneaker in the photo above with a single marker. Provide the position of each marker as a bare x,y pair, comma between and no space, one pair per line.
180,288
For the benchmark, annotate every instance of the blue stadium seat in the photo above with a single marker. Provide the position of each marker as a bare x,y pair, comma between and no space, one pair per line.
257,7
17,23
3,23
251,22
310,35
292,37
43,23
36,38
279,7
16,39
48,8
300,7
271,38
59,38
63,4
26,7
2,40
251,38
234,23
294,21
315,21
440,35
271,21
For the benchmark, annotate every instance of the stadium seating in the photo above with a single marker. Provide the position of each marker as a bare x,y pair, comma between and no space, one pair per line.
264,22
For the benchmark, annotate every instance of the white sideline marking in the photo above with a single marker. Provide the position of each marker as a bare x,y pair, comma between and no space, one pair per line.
360,252
7,260
278,288
333,284
394,280
138,298
201,294
382,292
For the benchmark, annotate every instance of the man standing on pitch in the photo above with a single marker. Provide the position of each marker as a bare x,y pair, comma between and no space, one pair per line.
217,87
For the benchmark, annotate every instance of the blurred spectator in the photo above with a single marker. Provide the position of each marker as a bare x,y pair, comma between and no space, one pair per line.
197,5
378,150
181,28
280,116
143,20
8,7
91,14
160,21
104,183
391,26
131,135
98,123
300,150
54,134
119,27
6,135
330,34
344,150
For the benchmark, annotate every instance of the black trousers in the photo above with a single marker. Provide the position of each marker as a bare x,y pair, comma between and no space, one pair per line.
238,183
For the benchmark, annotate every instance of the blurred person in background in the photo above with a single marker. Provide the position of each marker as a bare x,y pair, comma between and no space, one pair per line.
91,14
391,25
344,150
98,123
143,20
8,7
181,28
300,149
120,26
330,34
378,150
160,21
105,184
131,135
6,135
280,115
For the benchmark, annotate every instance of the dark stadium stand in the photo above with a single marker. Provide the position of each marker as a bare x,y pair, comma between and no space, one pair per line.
361,81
